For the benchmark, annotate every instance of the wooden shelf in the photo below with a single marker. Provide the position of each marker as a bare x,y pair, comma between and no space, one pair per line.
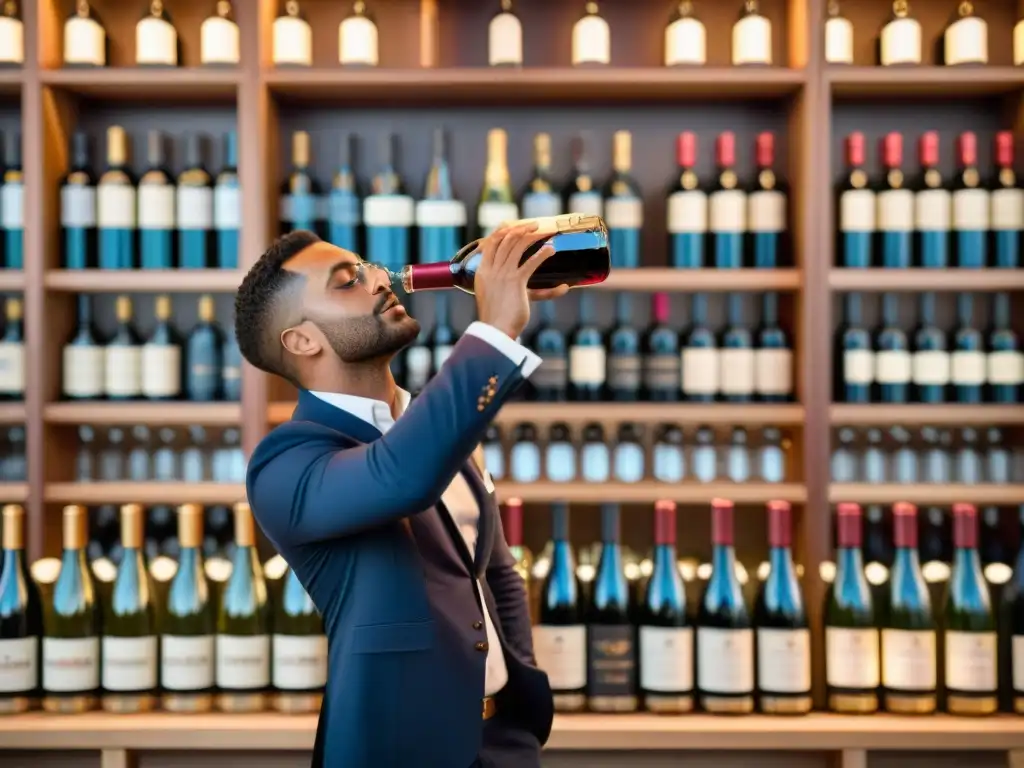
10,82
188,84
842,415
695,280
12,413
170,413
143,280
144,493
919,493
12,280
926,279
13,492
650,491
923,82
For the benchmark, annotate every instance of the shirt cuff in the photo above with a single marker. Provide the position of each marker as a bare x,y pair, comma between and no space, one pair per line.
513,350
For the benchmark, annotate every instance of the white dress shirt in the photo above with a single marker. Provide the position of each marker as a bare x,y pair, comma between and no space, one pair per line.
458,497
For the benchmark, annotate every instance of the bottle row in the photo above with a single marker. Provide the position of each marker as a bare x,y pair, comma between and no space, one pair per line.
929,366
13,466
629,457
12,202
156,222
927,221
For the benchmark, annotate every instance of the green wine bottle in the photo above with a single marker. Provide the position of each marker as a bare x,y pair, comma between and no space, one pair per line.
129,646
187,632
299,663
21,619
243,636
71,643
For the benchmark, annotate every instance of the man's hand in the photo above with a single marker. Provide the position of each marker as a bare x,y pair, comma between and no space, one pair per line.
502,298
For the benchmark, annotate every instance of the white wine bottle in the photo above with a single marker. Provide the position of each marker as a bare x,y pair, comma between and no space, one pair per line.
505,37
156,39
21,619
838,36
591,38
299,649
357,38
965,40
900,41
85,38
12,35
751,37
292,38
685,37
219,38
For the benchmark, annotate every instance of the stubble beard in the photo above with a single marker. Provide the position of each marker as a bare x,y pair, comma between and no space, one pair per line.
360,340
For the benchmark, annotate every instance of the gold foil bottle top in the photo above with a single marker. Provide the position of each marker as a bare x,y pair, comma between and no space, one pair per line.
206,309
123,308
622,151
497,157
13,309
117,146
542,150
82,8
162,308
131,526
14,526
291,8
591,8
300,149
224,8
75,525
190,525
245,527
156,8
359,7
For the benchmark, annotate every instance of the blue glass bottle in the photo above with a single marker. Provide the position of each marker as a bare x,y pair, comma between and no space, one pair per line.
855,209
931,364
551,380
736,351
231,373
227,205
78,208
203,351
157,213
687,216
440,217
194,205
1005,363
12,204
895,207
587,356
660,347
773,358
623,205
855,372
581,194
343,205
700,357
443,337
968,359
299,192
624,353
389,213
1007,199
892,355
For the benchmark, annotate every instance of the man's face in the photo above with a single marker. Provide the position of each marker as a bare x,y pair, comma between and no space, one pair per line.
351,303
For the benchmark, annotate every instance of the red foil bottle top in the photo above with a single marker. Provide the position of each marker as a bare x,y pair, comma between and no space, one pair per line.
431,277
892,150
686,149
928,148
904,525
967,148
764,149
512,521
1004,149
721,522
664,522
965,526
848,525
855,149
780,524
660,306
725,149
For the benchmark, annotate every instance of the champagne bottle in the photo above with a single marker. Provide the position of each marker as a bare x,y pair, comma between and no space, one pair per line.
123,353
219,37
299,650
497,200
156,39
440,217
21,618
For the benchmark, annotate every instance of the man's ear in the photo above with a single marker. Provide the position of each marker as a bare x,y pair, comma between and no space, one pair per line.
302,340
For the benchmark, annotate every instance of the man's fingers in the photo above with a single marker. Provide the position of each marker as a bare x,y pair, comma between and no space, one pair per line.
532,263
547,294
513,245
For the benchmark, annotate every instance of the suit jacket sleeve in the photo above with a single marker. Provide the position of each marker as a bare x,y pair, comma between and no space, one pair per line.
510,599
304,489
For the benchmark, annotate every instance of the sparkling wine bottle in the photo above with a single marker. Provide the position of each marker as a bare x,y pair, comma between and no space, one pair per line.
299,649
21,620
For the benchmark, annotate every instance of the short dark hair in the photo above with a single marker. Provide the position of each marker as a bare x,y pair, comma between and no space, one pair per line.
255,301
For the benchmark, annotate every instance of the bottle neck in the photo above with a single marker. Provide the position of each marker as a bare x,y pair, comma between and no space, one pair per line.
665,557
853,309
849,564
723,561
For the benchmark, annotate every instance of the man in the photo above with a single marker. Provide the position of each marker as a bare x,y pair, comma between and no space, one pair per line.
389,523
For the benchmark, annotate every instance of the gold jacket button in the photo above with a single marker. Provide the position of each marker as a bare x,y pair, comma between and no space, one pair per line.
478,625
481,646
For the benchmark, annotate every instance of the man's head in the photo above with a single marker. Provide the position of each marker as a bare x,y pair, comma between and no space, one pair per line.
308,308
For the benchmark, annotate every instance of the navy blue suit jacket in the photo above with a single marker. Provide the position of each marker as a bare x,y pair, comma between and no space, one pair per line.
358,516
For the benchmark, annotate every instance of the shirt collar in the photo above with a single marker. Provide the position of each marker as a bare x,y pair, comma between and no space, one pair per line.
374,412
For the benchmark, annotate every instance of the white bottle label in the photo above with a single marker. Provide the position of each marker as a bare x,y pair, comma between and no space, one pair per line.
115,206
85,42
525,461
857,211
490,215
195,208
494,460
901,42
129,663
966,41
560,462
700,371
971,209
1018,46
83,371
12,206
227,207
1007,209
562,652
123,371
1005,368
895,210
933,210
971,661
595,463
19,664
725,660
892,366
784,660
505,40
1017,652
186,663
687,212
969,367
766,211
12,41
587,365
773,371
931,367
858,366
156,206
623,213
667,463
628,461
161,370
243,663
156,42
839,41
71,664
851,658
736,371
727,211
219,41
300,662
591,41
78,206
389,211
685,43
752,41
12,367
908,659
357,41
589,204
293,41
666,659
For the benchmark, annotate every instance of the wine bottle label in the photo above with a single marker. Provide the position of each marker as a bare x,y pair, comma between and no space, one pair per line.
195,207
901,42
389,211
78,207
83,371
300,662
539,204
971,209
895,210
156,42
685,43
186,662
227,207
971,661
784,660
969,367
700,371
611,660
624,372
219,41
562,652
591,41
71,664
1018,43
129,663
1017,662
1007,209
595,463
628,463
892,366
490,215
441,354
505,41
851,658
858,366
839,41
725,660
243,662
666,659
772,464
553,372
156,206
661,372
766,211
737,371
115,206
857,211
417,367
728,211
12,41
12,367
357,41
560,463
161,370
587,365
494,460
933,210
1006,368
623,213
752,41
298,210
293,41
524,459
908,659
587,203
439,213
773,371
966,41
705,463
19,664
123,371
85,42
931,368
687,212
667,463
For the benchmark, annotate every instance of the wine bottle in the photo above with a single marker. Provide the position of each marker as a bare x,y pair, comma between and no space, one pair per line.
559,455
665,632
505,37
344,208
892,360
931,362
933,207
551,380
582,196
292,38
623,205
909,655
773,358
115,205
587,356
83,360
512,525
219,38
71,644
856,208
227,205
766,209
1007,209
591,38
965,40
440,217
611,641
1011,630
497,201
687,218
685,37
624,353
667,458
231,372
968,366
856,364
194,206
852,662
539,198
85,39
161,356
129,645
736,355
12,353
187,624
838,36
900,41
203,351
243,640
417,363
700,360
299,192
123,353
443,338
581,258
21,618
12,35
1005,362
971,203
660,350
357,38
725,637
78,207
156,39
12,205
388,212
156,197
727,207
751,37
895,211
783,636
299,646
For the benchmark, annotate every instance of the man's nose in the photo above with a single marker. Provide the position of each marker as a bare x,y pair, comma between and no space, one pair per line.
378,279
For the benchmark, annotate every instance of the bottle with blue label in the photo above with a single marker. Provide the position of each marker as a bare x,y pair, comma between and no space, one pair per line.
623,205
12,205
1006,205
388,212
195,209
497,200
687,217
156,207
78,208
440,217
582,194
539,197
298,206
227,205
344,208
727,207
116,205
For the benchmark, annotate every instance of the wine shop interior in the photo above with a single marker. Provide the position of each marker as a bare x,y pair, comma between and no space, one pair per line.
777,456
